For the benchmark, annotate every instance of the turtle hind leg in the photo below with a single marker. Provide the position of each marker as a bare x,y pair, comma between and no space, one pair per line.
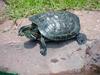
81,38
43,46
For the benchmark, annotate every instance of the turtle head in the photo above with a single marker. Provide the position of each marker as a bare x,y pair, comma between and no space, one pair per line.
28,32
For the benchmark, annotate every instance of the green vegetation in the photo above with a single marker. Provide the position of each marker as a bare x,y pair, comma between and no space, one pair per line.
23,8
5,73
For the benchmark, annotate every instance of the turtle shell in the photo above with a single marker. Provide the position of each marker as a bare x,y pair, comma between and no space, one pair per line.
58,25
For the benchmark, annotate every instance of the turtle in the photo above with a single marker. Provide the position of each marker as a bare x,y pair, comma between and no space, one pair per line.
53,26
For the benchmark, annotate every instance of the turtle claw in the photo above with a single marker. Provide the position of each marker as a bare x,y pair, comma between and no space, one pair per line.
81,38
43,53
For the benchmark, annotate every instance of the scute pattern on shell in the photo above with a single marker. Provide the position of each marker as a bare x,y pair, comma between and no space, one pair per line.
59,25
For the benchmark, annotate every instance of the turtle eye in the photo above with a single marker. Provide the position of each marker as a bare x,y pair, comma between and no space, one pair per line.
20,33
23,30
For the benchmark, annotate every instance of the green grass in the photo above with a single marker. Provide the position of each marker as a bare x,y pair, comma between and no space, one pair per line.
24,8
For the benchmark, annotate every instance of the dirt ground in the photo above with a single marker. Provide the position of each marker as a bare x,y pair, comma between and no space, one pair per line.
3,15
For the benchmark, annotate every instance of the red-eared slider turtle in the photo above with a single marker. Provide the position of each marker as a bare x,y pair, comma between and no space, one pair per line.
53,26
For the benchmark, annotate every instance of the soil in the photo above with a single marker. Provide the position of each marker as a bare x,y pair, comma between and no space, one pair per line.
3,15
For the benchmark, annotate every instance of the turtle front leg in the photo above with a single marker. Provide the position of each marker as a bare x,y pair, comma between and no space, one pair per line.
81,38
43,46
